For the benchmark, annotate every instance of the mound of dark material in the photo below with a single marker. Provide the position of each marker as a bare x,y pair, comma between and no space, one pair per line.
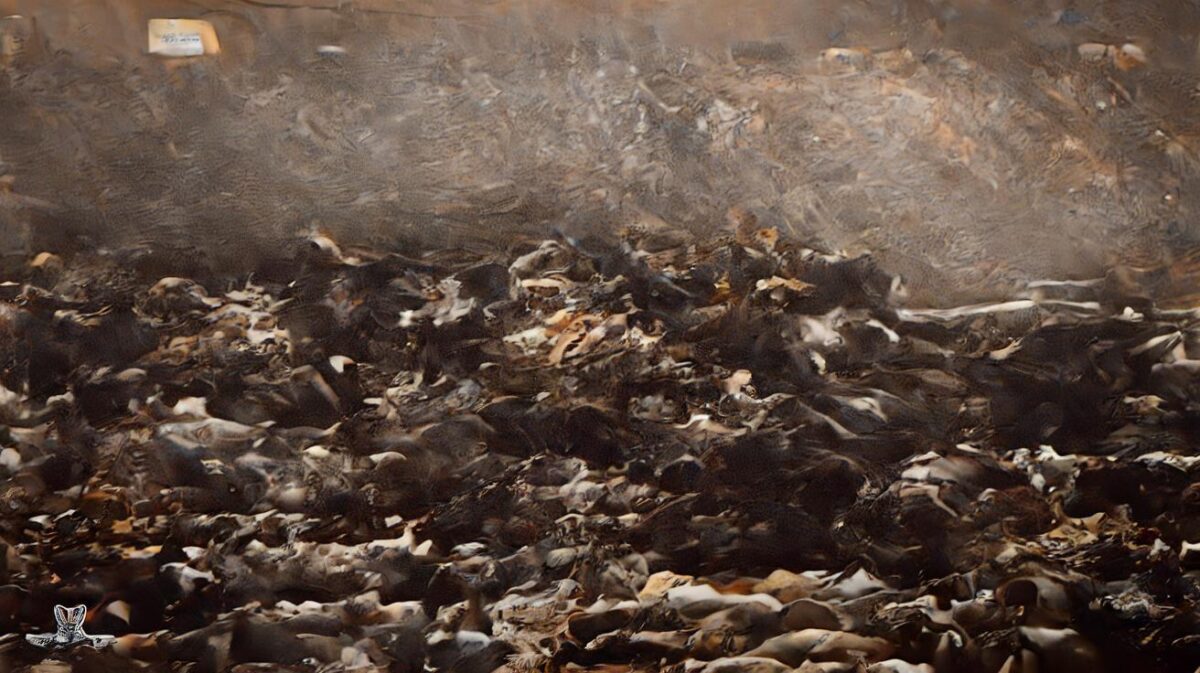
732,455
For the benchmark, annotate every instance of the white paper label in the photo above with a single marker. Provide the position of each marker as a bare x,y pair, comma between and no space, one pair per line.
181,44
182,37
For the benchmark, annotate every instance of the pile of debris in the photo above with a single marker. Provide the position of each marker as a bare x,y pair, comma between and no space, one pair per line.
645,454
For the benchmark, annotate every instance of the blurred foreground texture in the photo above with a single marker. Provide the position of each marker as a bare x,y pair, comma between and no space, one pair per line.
971,146
624,337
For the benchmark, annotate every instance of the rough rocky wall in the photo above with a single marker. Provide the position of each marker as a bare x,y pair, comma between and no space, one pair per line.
968,143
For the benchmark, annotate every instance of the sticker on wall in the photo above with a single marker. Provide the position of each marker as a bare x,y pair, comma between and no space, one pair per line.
182,37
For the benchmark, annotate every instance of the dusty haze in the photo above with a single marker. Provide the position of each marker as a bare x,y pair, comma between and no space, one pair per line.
967,144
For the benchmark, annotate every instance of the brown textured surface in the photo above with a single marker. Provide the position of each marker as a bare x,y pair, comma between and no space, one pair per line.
738,456
966,148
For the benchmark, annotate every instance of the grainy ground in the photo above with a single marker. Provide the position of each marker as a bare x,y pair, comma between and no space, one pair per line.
967,143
